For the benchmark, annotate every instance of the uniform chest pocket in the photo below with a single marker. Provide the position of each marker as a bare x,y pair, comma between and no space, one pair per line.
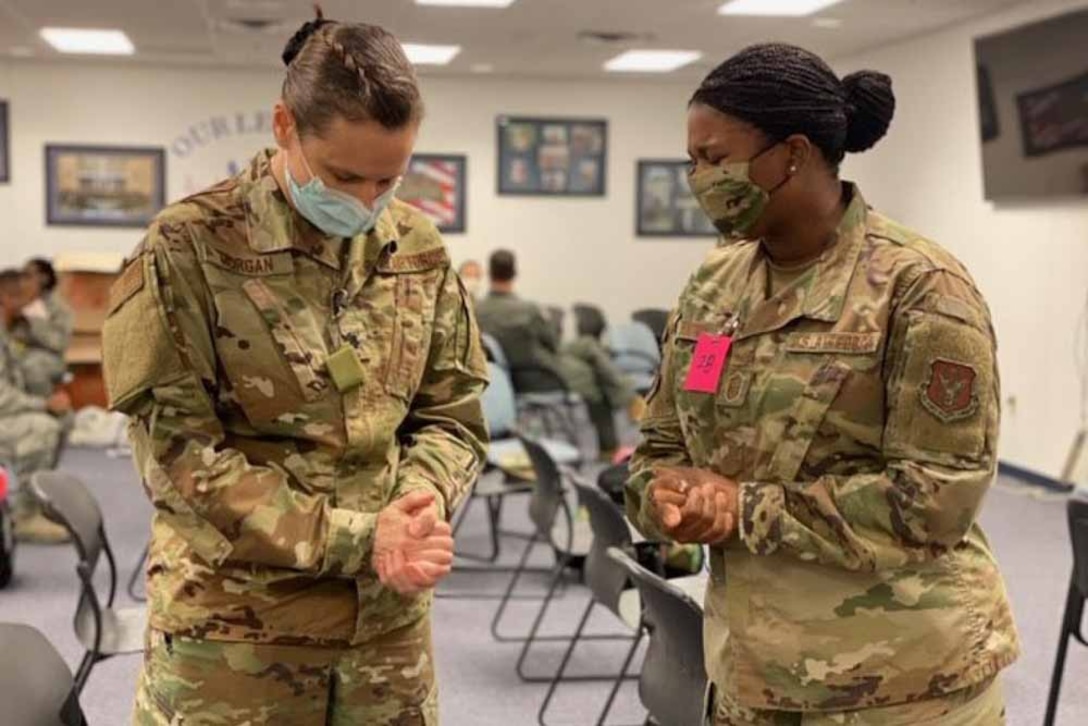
804,419
295,333
388,325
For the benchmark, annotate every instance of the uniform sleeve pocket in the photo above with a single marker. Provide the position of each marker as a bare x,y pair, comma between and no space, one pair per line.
404,370
943,395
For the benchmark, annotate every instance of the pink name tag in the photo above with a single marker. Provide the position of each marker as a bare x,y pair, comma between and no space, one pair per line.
707,363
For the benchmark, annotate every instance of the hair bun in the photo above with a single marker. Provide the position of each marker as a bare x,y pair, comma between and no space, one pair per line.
298,40
870,108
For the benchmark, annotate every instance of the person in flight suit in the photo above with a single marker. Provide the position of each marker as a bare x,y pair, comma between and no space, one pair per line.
302,371
826,420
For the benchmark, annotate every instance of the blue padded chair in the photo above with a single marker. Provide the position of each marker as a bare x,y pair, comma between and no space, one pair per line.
635,351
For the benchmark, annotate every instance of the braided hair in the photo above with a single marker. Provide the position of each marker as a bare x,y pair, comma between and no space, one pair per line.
353,70
783,90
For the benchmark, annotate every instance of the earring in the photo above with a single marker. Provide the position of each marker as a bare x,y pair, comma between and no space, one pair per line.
793,169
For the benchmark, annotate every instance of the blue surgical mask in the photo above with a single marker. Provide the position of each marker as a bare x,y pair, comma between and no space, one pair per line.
331,210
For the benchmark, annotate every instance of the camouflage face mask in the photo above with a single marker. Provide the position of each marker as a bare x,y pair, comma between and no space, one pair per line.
729,197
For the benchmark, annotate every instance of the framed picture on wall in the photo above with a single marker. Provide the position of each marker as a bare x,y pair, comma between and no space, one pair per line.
552,157
666,207
5,144
104,186
435,185
987,106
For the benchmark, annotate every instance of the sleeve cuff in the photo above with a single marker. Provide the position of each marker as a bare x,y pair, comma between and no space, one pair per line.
760,508
349,542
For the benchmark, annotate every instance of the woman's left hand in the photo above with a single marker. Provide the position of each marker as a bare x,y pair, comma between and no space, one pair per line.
694,506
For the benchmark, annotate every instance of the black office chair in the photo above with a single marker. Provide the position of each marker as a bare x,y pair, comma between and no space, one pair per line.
36,687
610,585
672,685
104,631
1077,509
653,318
589,320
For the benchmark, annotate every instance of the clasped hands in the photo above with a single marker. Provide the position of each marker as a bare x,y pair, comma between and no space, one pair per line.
413,548
694,506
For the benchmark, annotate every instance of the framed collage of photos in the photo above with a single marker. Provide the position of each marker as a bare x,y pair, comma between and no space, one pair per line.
552,157
104,186
435,185
666,207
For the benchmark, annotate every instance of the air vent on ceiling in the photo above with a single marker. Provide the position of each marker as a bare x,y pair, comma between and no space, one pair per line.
613,37
252,26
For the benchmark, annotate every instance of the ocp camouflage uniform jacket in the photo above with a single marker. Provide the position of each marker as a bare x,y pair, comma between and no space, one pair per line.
266,479
859,410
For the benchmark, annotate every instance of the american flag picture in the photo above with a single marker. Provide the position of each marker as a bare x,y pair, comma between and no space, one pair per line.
435,184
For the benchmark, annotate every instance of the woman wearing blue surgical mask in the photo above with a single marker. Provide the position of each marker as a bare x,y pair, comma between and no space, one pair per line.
302,371
826,420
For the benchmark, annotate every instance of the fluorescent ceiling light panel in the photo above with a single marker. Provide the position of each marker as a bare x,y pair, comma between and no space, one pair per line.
82,40
468,3
651,61
430,55
794,8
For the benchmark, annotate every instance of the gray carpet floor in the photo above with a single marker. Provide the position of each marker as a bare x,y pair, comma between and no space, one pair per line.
478,683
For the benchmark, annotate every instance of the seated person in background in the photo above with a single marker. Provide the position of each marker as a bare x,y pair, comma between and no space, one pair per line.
521,328
43,330
537,363
588,369
472,277
29,427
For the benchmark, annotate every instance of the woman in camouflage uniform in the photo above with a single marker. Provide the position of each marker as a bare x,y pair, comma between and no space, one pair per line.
826,419
302,370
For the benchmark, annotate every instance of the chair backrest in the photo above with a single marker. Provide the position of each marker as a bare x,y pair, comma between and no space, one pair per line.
547,498
672,684
1077,508
603,575
589,320
36,687
555,317
67,501
634,348
494,351
499,404
653,318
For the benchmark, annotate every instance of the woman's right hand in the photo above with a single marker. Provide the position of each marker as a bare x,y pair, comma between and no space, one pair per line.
694,506
413,550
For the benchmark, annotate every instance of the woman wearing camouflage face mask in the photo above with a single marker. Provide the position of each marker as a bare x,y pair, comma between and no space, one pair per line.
826,420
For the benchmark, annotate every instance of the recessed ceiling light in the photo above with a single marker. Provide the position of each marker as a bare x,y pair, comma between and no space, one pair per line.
430,55
651,61
468,3
775,7
82,40
827,23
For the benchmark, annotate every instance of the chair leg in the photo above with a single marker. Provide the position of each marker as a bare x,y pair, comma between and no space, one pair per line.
135,577
83,672
563,663
620,677
508,594
1074,608
527,644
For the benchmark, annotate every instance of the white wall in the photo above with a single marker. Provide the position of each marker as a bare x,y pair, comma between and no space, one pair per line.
571,250
1031,261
